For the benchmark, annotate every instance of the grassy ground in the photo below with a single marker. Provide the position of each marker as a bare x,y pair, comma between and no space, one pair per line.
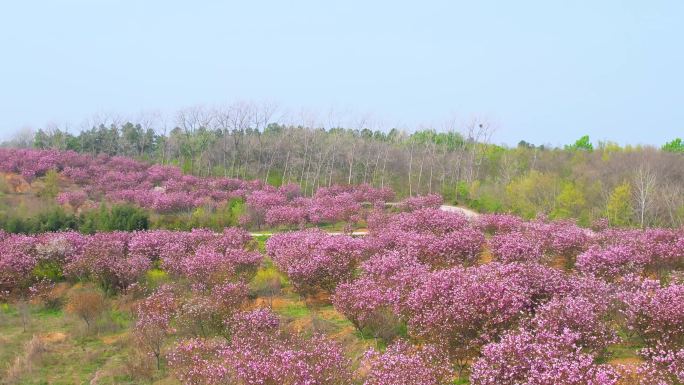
71,354
67,353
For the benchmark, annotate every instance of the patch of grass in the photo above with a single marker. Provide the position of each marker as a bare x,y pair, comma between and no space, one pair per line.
294,310
623,351
155,278
335,227
123,319
69,359
269,273
44,313
261,240
329,313
7,309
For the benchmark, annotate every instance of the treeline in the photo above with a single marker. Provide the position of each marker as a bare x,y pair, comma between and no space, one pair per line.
631,186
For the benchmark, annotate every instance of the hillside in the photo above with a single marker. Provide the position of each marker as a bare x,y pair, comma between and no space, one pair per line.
585,180
290,293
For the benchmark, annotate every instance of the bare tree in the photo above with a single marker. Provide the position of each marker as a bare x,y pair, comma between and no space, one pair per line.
644,182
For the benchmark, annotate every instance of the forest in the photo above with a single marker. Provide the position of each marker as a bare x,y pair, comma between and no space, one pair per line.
115,270
629,185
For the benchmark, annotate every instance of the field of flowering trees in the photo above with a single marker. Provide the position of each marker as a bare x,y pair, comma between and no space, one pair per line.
426,297
164,189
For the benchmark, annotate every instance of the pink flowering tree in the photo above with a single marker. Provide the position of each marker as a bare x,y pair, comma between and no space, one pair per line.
462,247
516,247
539,359
590,320
287,216
612,262
204,313
208,267
260,353
377,301
421,202
664,249
433,221
662,367
153,322
404,364
461,310
437,238
332,209
315,261
105,260
259,203
17,261
498,223
197,361
565,239
656,315
75,199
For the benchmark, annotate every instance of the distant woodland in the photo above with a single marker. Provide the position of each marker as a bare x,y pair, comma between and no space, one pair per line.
636,186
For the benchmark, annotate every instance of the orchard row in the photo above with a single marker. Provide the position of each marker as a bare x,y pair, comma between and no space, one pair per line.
500,299
165,189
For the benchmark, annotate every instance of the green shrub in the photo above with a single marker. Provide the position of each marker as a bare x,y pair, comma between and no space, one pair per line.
267,282
117,218
154,278
49,270
54,219
51,188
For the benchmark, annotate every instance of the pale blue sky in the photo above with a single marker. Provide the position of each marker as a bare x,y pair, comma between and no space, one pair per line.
544,71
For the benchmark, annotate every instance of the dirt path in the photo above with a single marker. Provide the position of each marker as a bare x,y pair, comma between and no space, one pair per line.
470,214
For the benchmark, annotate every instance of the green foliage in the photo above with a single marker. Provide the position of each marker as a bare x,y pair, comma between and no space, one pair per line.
226,215
275,178
202,217
532,193
462,191
295,310
267,282
125,218
90,221
237,209
570,202
171,222
187,166
154,278
50,270
486,204
51,188
15,224
583,143
607,148
54,219
676,145
450,139
199,217
118,217
476,197
448,193
619,208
